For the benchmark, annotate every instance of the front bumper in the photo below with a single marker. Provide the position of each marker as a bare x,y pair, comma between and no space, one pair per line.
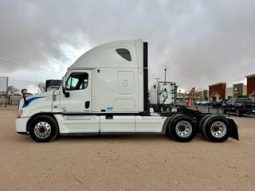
21,125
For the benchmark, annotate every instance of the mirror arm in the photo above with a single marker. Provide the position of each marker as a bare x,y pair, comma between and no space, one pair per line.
67,94
23,92
25,99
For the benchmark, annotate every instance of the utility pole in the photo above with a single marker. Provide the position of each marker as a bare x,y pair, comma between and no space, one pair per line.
165,75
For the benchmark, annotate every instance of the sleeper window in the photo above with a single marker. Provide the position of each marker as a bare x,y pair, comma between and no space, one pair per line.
124,53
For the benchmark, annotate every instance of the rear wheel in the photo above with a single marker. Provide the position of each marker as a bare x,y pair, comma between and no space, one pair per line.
181,128
202,121
216,129
43,129
169,133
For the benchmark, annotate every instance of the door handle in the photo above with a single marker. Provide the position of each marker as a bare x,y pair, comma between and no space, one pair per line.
87,103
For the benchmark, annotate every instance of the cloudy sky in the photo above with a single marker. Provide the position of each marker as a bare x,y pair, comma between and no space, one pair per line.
200,42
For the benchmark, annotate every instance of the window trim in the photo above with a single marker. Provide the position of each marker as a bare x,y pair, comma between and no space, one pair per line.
120,53
76,72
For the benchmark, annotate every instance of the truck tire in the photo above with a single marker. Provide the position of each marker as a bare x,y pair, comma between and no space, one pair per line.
169,133
216,128
202,121
43,129
182,128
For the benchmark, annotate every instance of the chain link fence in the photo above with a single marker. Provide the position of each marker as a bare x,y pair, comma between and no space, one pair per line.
3,91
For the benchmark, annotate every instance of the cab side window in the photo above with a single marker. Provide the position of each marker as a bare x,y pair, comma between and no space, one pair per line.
77,81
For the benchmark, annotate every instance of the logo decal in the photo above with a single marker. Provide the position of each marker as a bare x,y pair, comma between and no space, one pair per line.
25,104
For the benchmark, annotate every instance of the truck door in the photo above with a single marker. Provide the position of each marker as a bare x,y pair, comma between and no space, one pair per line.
78,85
76,107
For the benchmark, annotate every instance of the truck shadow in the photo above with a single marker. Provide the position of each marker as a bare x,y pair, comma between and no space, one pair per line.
141,138
119,138
125,138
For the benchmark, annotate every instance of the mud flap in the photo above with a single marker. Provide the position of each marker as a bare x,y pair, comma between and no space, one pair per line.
234,129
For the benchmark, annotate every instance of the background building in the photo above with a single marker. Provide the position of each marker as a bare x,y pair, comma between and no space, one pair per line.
229,93
205,95
217,91
239,90
251,86
201,95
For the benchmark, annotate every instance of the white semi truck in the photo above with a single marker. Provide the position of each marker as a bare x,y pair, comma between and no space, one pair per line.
106,92
162,96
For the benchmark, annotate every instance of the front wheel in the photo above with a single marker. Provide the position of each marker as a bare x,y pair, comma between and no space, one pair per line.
43,129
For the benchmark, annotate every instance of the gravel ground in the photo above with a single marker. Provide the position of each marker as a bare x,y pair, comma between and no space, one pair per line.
125,162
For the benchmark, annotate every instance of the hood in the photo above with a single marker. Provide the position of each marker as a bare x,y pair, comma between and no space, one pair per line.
36,98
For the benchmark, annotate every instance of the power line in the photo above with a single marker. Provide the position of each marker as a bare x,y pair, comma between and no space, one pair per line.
3,61
21,81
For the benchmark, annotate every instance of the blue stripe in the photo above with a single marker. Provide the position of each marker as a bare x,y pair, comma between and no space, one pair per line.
25,104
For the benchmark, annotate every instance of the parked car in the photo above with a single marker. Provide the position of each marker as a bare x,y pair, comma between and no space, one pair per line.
204,103
216,104
239,106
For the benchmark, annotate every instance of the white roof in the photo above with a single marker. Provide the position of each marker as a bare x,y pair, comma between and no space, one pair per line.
105,55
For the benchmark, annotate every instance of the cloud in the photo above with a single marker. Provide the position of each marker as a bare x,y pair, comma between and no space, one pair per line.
200,42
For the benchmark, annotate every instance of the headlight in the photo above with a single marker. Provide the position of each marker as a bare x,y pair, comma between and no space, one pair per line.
19,113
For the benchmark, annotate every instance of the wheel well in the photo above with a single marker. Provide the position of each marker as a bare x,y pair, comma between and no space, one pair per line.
39,114
165,125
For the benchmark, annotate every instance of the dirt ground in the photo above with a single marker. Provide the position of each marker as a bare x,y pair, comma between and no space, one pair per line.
125,162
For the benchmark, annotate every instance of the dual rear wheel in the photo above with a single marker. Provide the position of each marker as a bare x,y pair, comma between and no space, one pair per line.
181,128
214,128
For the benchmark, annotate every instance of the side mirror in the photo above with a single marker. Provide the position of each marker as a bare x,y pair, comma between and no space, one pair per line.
64,82
67,94
23,92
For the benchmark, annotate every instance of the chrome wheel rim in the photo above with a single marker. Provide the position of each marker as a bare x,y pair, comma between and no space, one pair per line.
183,129
42,130
218,129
